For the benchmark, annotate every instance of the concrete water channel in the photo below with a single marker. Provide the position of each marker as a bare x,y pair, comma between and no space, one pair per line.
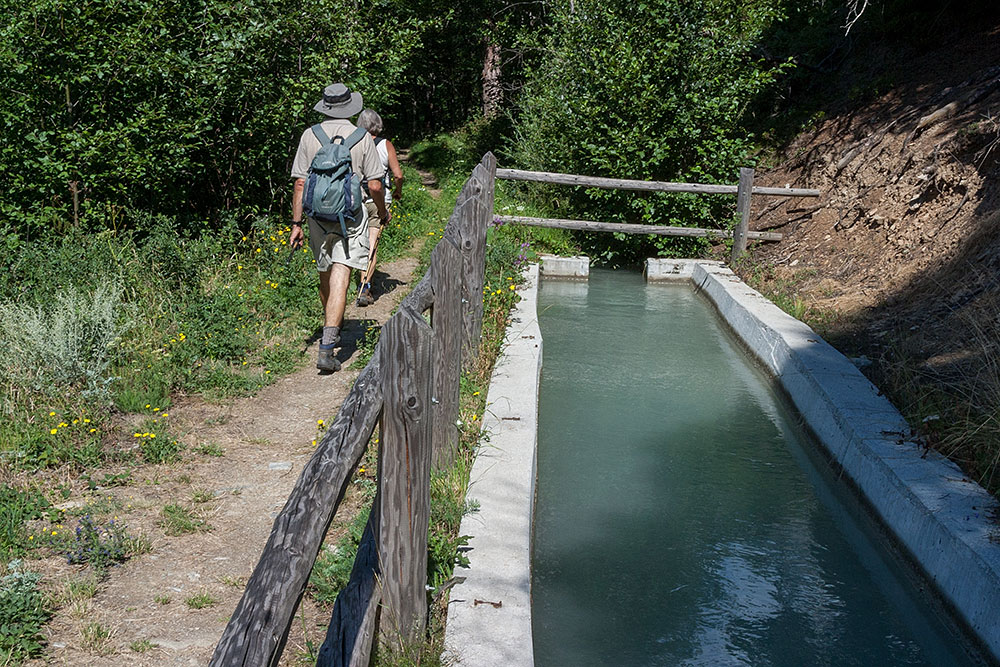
688,513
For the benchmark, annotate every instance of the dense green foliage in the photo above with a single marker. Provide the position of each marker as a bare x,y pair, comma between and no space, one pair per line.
657,93
189,106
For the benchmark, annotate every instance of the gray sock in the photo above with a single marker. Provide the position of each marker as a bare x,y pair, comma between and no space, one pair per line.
330,335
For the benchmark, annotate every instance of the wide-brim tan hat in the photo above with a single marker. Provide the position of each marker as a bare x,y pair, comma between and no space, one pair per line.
339,102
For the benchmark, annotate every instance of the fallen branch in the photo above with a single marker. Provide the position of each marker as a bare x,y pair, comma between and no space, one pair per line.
771,207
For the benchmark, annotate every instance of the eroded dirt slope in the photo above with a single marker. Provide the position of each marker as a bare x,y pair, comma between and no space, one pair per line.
906,235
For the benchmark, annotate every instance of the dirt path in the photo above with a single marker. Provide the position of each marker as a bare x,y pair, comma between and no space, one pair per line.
264,440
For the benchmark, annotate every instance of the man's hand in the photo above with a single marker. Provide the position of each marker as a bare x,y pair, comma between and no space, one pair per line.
296,238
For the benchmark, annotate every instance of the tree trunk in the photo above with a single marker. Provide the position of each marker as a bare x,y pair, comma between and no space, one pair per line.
492,92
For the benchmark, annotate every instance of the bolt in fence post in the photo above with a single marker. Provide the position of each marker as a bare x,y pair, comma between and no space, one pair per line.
743,191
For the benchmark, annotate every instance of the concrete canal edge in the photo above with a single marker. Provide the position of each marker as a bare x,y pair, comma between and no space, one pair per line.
489,614
941,518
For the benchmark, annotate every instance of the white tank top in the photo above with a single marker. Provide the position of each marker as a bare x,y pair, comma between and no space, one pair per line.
383,155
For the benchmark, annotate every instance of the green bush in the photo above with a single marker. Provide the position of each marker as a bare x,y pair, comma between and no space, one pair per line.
657,94
175,106
17,507
23,612
66,342
332,569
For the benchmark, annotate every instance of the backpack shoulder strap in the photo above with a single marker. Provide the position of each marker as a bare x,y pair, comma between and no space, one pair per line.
320,134
355,136
379,140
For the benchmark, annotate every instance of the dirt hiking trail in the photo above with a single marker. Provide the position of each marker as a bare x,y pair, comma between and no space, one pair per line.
264,440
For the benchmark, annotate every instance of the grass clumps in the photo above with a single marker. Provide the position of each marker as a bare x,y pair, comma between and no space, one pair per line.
176,520
17,507
200,601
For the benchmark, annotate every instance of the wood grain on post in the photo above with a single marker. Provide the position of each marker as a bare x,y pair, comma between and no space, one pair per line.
475,269
258,628
648,186
489,163
626,228
472,242
446,319
404,474
350,636
743,210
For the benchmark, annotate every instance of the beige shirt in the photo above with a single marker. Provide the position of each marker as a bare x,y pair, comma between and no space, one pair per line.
364,155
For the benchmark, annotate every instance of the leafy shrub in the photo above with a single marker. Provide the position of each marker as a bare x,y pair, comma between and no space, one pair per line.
23,612
65,344
657,94
332,570
178,106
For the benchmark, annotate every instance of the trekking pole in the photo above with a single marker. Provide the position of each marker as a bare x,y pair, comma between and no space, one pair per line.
369,270
291,253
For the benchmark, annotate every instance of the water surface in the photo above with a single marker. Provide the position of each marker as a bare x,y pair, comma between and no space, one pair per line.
680,518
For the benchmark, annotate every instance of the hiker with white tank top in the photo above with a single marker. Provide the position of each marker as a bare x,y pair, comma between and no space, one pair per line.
392,185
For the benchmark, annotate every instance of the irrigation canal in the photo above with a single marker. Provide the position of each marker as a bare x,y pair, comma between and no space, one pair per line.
683,518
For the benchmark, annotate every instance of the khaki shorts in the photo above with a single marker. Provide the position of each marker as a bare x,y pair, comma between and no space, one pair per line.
374,222
329,248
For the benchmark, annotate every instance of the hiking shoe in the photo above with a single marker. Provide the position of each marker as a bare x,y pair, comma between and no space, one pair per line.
327,359
365,295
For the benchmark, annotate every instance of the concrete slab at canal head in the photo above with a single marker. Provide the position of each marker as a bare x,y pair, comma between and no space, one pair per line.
935,513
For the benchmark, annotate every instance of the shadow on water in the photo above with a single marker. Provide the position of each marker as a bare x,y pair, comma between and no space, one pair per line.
679,518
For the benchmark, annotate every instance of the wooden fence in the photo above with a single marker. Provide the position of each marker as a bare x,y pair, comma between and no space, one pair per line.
743,191
410,388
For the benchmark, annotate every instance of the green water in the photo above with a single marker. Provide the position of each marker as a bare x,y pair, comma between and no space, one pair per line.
681,517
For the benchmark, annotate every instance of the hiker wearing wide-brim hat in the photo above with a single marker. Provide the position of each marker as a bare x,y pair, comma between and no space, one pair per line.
338,245
339,102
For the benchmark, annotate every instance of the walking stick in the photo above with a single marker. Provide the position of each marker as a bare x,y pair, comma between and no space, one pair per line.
370,269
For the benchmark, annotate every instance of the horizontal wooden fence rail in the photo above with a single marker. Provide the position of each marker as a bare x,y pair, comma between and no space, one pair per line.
743,191
651,186
658,230
413,363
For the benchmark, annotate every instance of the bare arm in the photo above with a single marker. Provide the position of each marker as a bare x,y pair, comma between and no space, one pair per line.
297,236
397,171
378,196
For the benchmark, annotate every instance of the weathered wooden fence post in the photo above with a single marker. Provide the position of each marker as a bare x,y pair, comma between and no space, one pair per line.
743,191
404,474
351,633
470,230
446,318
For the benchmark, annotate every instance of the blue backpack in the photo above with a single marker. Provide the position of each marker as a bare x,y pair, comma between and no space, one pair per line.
333,191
